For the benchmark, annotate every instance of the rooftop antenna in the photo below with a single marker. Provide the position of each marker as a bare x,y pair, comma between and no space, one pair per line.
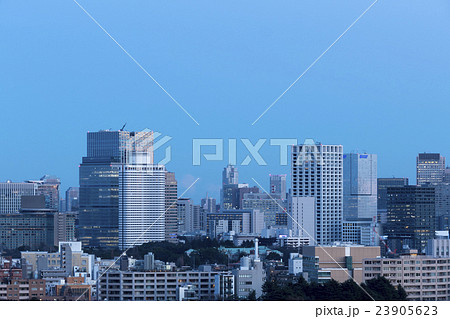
123,126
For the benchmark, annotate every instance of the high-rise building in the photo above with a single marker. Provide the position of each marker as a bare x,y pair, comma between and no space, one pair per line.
382,186
189,216
278,185
269,205
430,168
317,172
229,197
242,190
65,226
184,206
382,197
114,156
411,217
72,199
230,175
447,175
360,186
99,189
48,186
11,195
442,205
141,193
209,204
171,215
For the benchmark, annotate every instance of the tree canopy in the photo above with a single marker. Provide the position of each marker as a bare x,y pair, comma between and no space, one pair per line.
379,289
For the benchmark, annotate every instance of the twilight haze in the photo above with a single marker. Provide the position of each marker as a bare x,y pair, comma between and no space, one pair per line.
383,88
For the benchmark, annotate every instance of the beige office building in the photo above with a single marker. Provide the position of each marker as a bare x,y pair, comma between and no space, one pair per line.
340,262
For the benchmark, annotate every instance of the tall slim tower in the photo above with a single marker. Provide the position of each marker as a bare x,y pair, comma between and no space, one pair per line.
317,171
171,214
360,186
430,168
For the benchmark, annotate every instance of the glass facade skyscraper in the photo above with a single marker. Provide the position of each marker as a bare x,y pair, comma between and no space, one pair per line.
99,189
360,186
122,194
411,217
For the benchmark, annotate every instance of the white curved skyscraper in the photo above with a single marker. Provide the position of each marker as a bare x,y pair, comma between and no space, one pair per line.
141,193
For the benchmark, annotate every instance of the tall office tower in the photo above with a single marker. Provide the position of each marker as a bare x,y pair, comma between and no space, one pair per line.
110,154
98,224
141,193
196,219
411,217
11,194
230,175
171,215
278,185
208,204
317,172
382,197
430,168
228,194
360,186
269,205
184,206
72,199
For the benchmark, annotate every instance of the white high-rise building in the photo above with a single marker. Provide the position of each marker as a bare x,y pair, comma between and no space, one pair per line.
11,195
316,171
141,194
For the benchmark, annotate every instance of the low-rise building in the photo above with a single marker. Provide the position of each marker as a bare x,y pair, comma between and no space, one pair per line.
295,264
424,278
339,262
24,289
129,285
224,286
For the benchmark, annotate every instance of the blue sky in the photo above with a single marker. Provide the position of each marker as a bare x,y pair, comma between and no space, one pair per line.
383,88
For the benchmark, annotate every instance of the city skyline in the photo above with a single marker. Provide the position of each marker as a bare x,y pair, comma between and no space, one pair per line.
367,78
214,190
